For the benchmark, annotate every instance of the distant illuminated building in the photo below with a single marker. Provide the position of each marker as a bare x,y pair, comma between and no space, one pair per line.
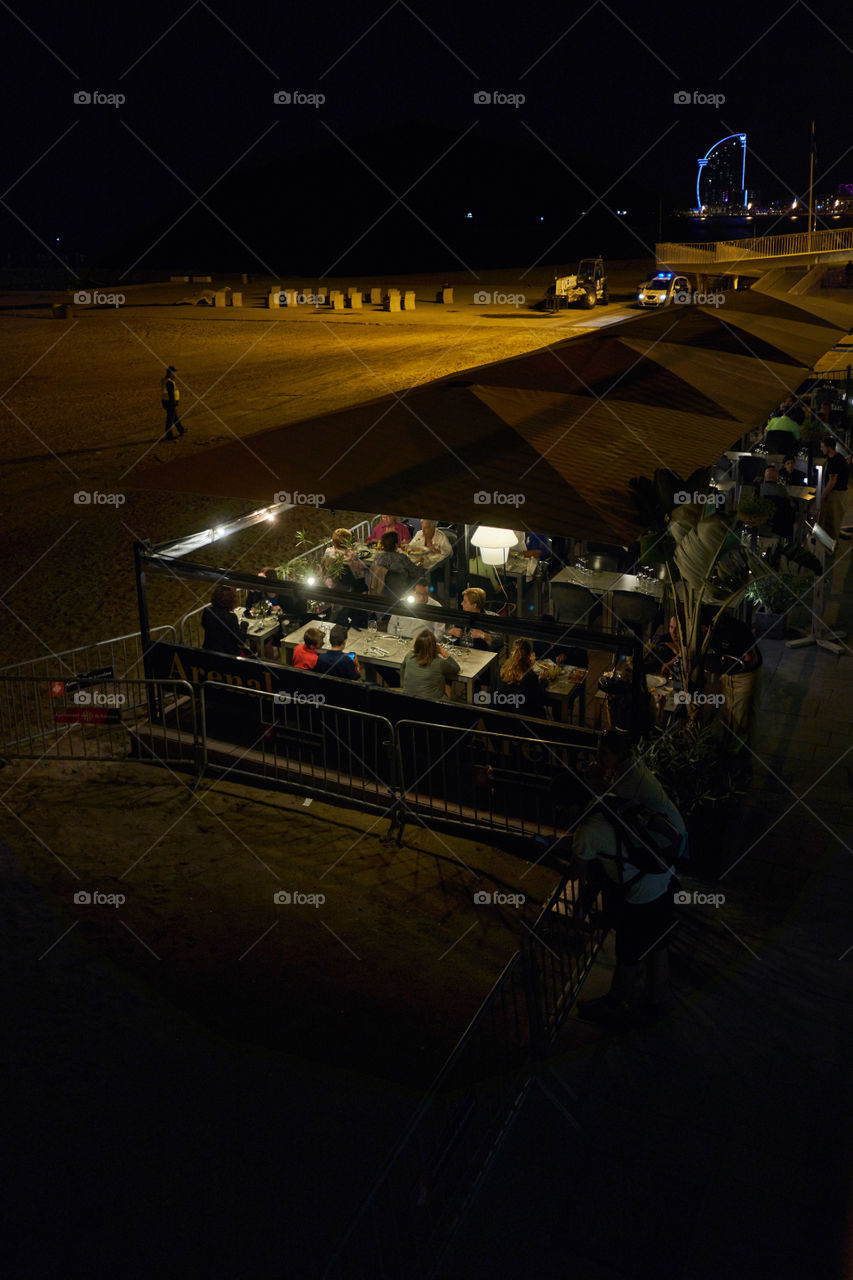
845,189
721,180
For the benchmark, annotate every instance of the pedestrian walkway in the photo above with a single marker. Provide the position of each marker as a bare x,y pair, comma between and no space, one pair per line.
719,1141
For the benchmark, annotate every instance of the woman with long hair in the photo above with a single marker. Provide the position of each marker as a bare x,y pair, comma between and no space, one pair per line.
392,572
219,621
427,669
520,689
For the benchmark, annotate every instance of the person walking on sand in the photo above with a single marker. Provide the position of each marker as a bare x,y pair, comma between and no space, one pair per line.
170,396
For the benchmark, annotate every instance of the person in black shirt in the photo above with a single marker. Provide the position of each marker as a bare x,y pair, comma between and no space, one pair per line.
789,474
333,661
834,499
519,688
219,622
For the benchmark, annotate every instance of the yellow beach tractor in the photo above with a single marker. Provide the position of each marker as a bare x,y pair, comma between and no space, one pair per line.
585,289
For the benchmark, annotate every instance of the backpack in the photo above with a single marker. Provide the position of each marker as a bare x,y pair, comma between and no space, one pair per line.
647,839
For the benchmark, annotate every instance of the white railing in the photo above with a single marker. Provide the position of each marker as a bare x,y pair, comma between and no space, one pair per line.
801,243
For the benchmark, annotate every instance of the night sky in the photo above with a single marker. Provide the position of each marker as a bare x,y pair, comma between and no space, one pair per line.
384,171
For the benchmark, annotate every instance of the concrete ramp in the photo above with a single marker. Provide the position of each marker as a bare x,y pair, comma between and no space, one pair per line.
779,279
811,279
771,279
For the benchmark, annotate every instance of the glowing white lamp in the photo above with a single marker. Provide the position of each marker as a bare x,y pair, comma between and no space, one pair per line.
493,544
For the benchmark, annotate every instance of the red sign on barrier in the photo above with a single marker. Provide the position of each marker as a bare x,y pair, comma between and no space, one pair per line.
88,715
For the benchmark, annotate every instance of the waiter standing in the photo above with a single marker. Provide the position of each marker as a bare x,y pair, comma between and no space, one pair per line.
170,396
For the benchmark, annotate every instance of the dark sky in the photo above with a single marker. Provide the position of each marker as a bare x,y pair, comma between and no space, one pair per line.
297,184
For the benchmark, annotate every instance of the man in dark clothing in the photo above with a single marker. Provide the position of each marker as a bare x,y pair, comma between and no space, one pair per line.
833,501
333,661
169,397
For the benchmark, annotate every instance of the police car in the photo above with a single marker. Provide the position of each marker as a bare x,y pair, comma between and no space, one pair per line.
661,289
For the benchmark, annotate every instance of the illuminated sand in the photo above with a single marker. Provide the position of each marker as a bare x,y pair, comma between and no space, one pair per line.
82,412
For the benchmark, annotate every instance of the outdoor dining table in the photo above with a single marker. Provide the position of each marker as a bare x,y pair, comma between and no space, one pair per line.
378,649
604,582
260,629
567,688
525,570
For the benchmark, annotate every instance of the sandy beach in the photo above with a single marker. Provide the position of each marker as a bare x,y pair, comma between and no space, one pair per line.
81,413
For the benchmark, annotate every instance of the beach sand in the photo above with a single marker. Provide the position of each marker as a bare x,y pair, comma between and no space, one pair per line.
81,414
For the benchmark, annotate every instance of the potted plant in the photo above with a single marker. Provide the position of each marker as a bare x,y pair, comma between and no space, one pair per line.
707,784
754,511
786,586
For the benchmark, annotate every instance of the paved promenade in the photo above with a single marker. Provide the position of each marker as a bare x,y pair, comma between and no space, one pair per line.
719,1142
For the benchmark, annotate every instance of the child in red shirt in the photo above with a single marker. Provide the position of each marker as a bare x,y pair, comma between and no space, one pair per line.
305,654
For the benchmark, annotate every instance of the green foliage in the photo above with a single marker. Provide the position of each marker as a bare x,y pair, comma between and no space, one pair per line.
755,511
778,592
694,766
812,431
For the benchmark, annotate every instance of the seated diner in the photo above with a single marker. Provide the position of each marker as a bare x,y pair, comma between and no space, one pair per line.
427,669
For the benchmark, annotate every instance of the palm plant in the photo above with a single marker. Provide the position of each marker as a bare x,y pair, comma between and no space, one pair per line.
701,551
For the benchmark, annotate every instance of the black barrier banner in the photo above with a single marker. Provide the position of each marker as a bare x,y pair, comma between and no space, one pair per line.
82,681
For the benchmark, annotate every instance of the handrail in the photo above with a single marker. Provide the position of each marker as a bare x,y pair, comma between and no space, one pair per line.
796,244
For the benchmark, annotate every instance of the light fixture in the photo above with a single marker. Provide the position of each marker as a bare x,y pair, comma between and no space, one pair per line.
493,544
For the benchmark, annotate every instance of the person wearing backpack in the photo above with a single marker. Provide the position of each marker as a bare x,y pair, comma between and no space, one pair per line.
636,847
631,779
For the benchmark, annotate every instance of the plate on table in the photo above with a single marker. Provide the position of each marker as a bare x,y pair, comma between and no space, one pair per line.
655,682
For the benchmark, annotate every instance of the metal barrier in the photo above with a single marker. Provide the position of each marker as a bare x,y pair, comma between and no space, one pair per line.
123,654
477,778
411,1214
190,630
298,741
69,719
748,250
